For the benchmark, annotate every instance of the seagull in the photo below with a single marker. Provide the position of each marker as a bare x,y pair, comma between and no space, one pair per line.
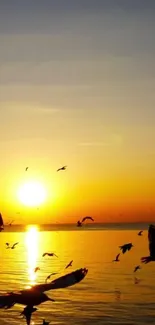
36,269
117,258
68,265
140,233
14,245
151,239
62,168
49,276
49,254
126,247
87,218
26,169
35,296
137,268
45,323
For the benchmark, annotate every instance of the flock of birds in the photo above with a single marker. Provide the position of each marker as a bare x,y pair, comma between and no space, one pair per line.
36,294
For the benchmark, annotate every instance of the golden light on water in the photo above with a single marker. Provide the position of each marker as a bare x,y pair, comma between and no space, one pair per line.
32,242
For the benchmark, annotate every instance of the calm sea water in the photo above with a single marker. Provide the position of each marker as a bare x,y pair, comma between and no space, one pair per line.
94,300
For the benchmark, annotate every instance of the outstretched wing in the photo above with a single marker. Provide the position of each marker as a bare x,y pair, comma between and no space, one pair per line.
63,281
151,239
8,300
87,218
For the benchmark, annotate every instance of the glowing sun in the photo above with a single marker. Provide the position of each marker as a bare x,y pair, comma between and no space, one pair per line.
32,193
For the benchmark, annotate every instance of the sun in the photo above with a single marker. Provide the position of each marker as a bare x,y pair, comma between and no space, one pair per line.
32,194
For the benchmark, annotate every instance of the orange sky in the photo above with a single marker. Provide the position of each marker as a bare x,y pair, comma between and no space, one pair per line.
77,89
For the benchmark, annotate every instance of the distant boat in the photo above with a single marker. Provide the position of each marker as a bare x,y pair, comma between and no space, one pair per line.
1,223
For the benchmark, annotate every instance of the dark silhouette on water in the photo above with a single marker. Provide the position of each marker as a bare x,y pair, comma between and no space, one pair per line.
14,245
126,247
151,239
137,268
36,269
35,296
140,233
49,276
69,264
62,168
79,223
49,254
26,169
136,280
45,323
117,258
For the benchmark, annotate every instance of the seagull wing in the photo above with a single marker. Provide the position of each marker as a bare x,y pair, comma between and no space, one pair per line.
151,239
117,256
87,218
8,300
63,281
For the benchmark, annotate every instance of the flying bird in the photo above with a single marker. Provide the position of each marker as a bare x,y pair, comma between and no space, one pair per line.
126,247
26,169
69,264
35,296
140,233
151,239
36,269
62,168
87,218
117,258
137,268
49,254
14,245
7,245
49,276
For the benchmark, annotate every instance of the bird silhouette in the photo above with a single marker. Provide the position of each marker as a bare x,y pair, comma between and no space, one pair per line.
26,169
126,247
7,245
14,245
117,258
140,233
49,276
61,168
36,269
69,264
151,239
136,280
137,268
49,254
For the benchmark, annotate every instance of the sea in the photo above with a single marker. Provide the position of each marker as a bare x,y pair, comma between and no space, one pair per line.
107,295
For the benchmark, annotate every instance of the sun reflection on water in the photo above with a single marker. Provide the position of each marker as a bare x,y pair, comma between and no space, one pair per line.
32,242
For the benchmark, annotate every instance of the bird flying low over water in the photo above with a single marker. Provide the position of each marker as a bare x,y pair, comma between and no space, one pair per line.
14,245
151,239
137,268
49,254
140,233
35,295
79,223
117,258
61,168
36,269
26,169
49,276
69,264
126,247
136,280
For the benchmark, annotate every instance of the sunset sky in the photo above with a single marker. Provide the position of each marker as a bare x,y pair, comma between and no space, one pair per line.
77,88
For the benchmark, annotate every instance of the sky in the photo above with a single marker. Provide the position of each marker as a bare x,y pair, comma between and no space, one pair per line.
77,88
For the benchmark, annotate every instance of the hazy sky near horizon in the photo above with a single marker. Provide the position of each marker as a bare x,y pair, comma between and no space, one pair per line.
77,88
